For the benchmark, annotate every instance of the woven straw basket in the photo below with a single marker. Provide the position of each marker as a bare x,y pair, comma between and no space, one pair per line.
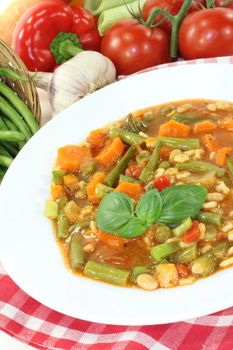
25,90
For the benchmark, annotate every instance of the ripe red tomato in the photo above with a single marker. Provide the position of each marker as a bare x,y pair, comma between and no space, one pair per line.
132,46
207,33
171,6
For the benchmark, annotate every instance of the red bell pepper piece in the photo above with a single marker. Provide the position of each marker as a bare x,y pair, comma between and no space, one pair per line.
53,32
162,182
183,270
192,234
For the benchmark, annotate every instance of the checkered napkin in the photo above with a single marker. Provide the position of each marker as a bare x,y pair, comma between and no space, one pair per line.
29,321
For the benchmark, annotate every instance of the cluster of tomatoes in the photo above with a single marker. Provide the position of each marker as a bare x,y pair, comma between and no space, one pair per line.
203,32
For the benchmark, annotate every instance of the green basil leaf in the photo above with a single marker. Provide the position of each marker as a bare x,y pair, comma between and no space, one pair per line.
180,202
114,212
149,207
134,228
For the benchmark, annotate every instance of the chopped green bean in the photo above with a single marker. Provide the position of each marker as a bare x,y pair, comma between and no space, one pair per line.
185,225
204,264
124,178
198,166
76,254
182,144
161,251
57,176
164,164
133,125
230,167
162,234
151,165
79,227
101,190
220,249
106,273
137,270
186,255
87,168
142,158
211,233
115,173
127,136
63,224
51,209
210,218
189,119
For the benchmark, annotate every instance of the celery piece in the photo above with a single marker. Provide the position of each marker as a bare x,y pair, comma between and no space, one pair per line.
51,209
57,176
185,225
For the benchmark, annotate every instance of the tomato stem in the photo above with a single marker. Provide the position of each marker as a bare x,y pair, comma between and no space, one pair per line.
210,3
65,46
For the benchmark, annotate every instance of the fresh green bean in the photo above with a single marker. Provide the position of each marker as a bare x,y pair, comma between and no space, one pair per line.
14,117
210,218
11,148
164,164
162,234
220,249
142,158
101,190
182,144
2,172
137,270
4,152
20,106
186,255
76,254
63,224
204,264
127,136
12,126
106,273
5,161
151,165
115,173
10,73
124,178
57,176
198,166
162,251
230,167
11,136
185,225
211,233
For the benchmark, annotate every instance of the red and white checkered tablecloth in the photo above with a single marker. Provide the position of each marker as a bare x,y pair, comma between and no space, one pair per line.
28,321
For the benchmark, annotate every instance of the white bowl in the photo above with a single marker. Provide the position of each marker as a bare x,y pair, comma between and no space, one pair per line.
27,245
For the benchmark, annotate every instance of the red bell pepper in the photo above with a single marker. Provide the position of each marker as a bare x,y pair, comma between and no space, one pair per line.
53,32
162,182
192,234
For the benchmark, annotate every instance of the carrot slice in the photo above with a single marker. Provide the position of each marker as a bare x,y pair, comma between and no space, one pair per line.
111,151
96,179
57,191
174,129
97,138
133,190
226,123
110,239
210,142
204,127
70,157
221,155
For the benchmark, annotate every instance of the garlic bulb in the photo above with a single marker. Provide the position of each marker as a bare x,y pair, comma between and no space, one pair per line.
80,76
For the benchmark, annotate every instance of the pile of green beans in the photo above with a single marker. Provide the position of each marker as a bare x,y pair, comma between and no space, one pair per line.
17,122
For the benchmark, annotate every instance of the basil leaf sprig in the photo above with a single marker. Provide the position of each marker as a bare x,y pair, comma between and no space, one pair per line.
116,213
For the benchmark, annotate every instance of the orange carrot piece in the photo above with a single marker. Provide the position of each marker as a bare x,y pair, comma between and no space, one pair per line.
226,123
57,191
221,155
174,129
96,179
97,138
111,151
70,157
165,151
133,190
110,239
204,127
210,142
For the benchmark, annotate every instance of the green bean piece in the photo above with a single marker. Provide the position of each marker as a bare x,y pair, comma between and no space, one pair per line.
137,270
151,165
5,161
162,251
142,158
106,273
185,225
9,124
126,136
76,228
11,136
112,177
211,233
230,167
187,119
10,73
51,209
10,146
162,234
63,224
197,166
133,125
4,152
76,254
20,106
220,249
101,190
2,172
164,164
58,176
87,168
182,144
204,264
186,255
210,218
124,178
15,117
